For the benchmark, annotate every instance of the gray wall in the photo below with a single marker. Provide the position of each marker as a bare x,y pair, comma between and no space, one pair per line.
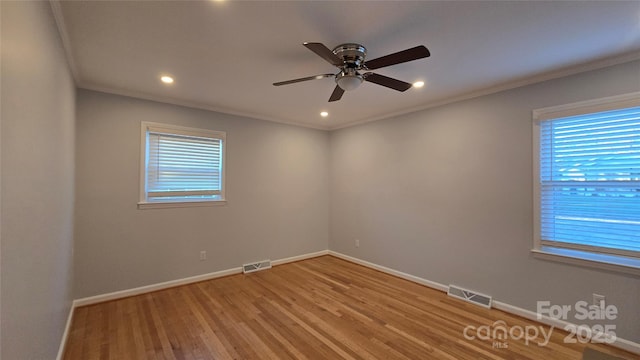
446,194
276,189
38,114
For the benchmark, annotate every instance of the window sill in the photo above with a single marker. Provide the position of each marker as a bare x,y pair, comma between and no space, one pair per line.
608,262
179,204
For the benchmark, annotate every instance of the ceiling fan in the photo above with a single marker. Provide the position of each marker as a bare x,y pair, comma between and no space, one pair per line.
350,59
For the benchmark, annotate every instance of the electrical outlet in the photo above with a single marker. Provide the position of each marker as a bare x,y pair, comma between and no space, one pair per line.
598,300
357,242
203,255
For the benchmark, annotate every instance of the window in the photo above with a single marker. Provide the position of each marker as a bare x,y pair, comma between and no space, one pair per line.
587,186
181,166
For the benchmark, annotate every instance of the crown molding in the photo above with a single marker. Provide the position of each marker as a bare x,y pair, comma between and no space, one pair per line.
56,9
545,76
194,105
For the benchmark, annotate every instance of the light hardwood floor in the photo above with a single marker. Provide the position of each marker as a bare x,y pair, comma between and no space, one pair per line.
322,308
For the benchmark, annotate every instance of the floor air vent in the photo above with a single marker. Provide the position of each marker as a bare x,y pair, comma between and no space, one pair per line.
470,296
257,266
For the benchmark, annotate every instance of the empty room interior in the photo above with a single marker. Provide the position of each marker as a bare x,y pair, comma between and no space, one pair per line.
320,180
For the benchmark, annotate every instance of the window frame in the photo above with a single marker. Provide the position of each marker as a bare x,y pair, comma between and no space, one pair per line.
145,127
577,255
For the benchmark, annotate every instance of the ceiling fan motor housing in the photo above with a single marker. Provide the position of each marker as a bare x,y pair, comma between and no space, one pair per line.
352,56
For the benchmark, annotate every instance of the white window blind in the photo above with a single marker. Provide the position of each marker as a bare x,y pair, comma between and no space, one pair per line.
590,182
182,164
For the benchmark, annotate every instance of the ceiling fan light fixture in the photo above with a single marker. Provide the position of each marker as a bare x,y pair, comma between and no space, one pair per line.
349,80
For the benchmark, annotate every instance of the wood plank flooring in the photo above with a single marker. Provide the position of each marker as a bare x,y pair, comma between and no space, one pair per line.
322,308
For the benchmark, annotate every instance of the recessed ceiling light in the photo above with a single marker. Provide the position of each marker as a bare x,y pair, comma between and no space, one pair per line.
166,79
324,114
418,84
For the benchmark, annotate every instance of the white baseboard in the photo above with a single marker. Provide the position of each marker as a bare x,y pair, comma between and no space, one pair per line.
300,257
164,285
620,343
400,274
154,287
168,284
65,334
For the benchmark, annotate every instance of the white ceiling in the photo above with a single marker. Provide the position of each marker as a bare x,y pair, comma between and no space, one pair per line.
225,55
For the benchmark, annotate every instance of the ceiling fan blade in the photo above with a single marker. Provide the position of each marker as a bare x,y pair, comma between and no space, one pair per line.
387,82
324,52
304,79
415,53
337,94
